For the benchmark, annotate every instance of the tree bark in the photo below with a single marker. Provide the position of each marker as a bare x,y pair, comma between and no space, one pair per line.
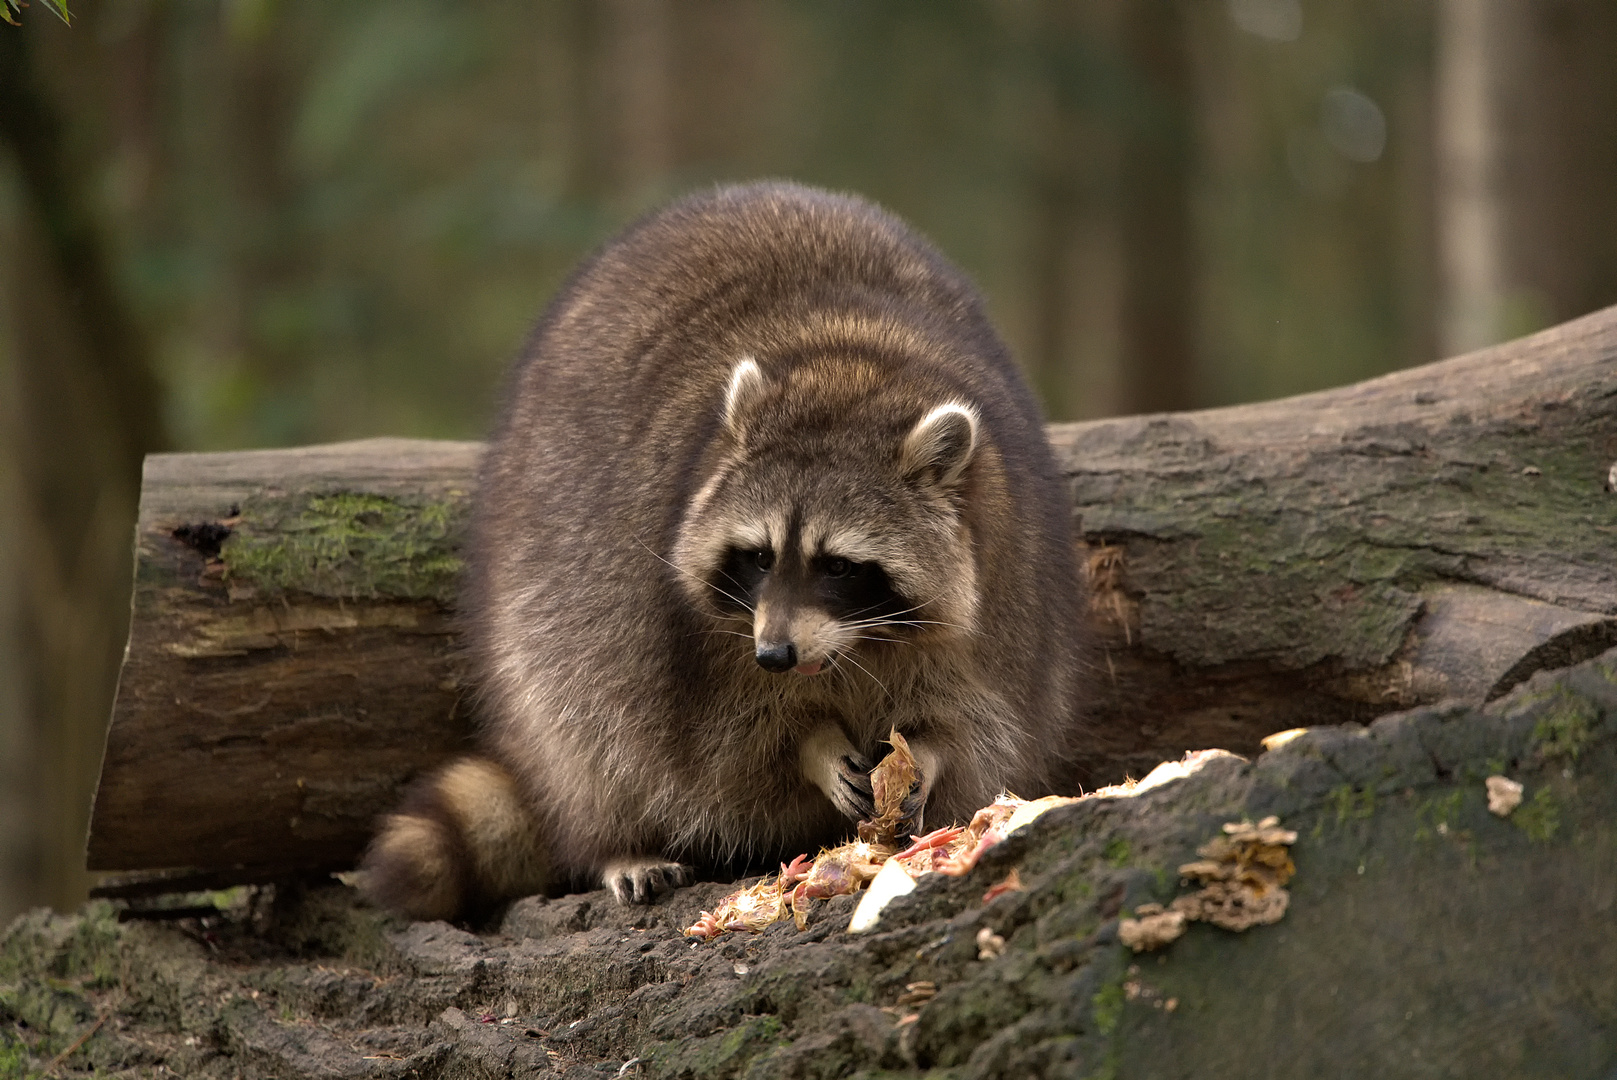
1437,533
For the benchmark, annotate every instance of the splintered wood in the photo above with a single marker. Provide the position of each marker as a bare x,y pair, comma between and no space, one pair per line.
1243,876
844,870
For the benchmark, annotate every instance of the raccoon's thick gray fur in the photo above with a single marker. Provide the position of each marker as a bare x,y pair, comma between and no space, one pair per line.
767,485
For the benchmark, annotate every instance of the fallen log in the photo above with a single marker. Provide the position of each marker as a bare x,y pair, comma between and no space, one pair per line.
291,660
1441,532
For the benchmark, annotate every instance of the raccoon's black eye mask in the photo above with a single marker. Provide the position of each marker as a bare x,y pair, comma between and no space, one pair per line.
739,578
860,591
844,588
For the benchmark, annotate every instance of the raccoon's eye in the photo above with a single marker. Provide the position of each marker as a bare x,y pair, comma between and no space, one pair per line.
836,566
763,560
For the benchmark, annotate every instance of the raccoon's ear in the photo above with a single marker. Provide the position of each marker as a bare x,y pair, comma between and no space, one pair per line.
746,387
939,447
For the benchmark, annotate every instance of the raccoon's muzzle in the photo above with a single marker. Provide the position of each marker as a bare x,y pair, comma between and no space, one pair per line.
776,656
781,656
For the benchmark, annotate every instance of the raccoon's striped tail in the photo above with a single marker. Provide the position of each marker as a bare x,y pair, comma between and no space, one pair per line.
462,840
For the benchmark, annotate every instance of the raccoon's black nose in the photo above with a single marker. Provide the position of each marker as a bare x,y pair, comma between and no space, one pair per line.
776,656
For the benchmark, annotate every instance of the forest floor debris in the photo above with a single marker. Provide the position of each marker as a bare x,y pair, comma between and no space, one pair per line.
847,868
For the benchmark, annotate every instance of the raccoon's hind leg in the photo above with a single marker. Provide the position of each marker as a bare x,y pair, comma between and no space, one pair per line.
464,838
639,881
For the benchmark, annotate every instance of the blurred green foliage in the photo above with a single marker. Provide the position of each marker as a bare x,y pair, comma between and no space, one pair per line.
339,219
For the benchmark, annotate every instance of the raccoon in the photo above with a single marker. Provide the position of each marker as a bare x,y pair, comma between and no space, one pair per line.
767,486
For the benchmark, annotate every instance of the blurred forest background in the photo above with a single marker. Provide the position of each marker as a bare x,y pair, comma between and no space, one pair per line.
243,223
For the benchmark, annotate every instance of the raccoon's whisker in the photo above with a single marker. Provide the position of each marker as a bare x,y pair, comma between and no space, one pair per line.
849,657
871,637
693,577
897,617
876,624
735,633
896,621
905,611
902,611
732,596
934,622
870,607
860,624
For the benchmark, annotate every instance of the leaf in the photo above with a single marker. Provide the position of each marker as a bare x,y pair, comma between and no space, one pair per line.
14,8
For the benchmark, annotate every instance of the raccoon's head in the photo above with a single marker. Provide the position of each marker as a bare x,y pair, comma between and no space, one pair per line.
833,522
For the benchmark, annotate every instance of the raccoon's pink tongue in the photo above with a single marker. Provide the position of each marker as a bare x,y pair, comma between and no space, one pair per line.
809,669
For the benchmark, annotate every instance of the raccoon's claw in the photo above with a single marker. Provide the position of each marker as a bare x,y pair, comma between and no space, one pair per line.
857,766
640,881
914,810
852,794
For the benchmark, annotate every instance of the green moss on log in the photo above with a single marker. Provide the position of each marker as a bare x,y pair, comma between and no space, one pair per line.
349,546
1107,1007
1539,817
1348,804
722,1055
1438,815
1564,729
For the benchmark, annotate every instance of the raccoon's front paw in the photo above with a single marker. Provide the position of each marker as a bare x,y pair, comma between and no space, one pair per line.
850,791
640,881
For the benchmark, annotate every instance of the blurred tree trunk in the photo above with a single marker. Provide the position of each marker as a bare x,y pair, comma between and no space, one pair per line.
19,839
1113,268
255,118
1158,301
1561,158
1074,263
1056,211
1526,105
1472,55
84,411
635,86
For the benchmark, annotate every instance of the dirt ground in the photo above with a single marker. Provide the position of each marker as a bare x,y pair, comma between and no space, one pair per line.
1425,937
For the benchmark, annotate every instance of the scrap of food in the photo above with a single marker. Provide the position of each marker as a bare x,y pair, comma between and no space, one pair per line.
846,869
891,782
